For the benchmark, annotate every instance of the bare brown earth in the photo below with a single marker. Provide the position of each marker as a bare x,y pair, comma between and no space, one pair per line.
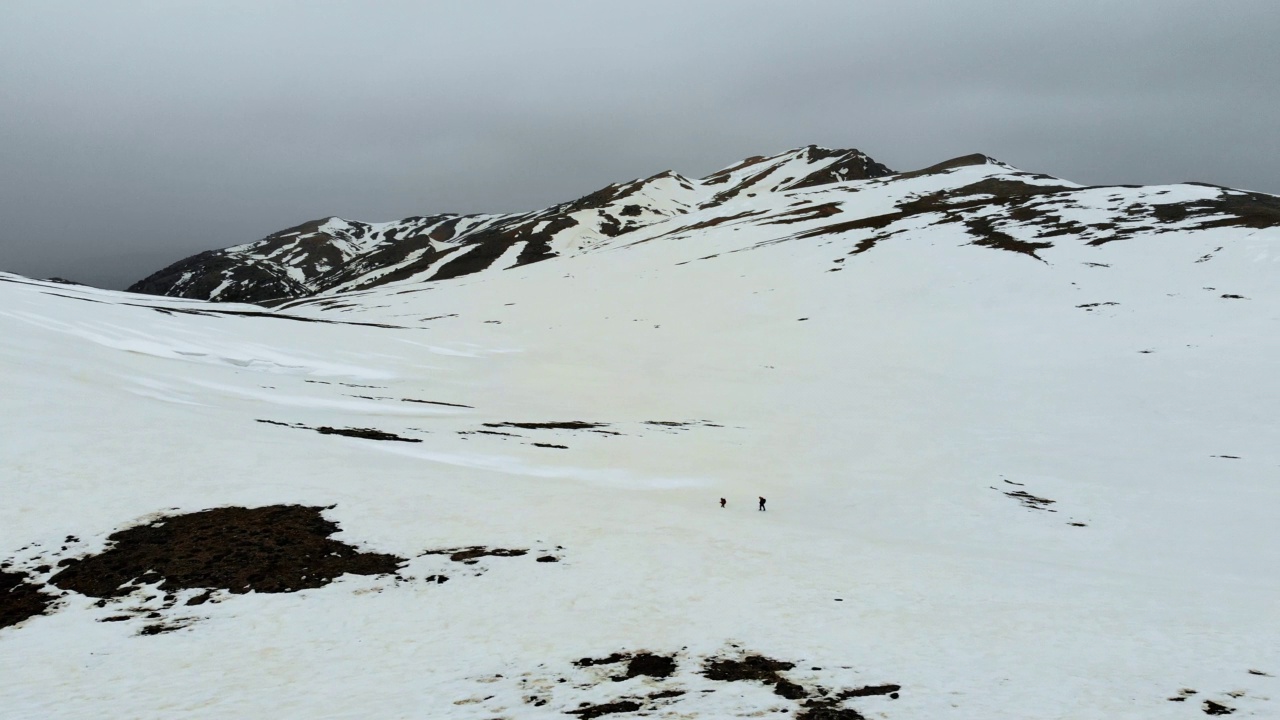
20,599
363,433
469,555
755,668
1216,708
812,703
642,663
272,549
594,711
366,433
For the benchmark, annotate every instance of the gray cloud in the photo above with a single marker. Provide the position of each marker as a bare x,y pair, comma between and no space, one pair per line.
135,134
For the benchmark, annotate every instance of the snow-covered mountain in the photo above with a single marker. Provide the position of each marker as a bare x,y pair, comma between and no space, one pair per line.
811,191
333,255
1017,437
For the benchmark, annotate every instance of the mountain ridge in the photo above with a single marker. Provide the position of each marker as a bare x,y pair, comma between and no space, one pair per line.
812,189
335,253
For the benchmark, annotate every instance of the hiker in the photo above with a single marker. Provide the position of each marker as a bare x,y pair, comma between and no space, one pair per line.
722,502
761,503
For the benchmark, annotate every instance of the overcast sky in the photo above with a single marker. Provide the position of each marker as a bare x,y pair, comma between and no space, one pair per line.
135,134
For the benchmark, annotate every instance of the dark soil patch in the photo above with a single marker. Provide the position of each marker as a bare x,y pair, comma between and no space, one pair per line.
870,690
159,628
551,445
828,708
962,161
1232,208
816,703
1259,672
471,554
956,206
1215,708
988,236
755,668
567,425
852,166
595,711
825,711
716,221
814,212
1031,501
790,690
649,665
723,175
875,222
277,548
20,599
548,559
607,660
483,254
366,433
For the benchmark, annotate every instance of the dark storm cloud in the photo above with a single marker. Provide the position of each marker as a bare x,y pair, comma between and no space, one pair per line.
134,134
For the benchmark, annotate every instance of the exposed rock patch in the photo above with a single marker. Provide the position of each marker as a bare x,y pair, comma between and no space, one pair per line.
363,433
829,712
470,555
1211,707
638,664
272,549
20,599
595,711
672,684
606,660
755,668
366,433
1031,501
1026,499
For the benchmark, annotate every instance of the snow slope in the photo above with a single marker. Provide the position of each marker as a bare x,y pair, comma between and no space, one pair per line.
905,388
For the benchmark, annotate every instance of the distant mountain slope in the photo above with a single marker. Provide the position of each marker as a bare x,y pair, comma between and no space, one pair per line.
337,254
806,192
